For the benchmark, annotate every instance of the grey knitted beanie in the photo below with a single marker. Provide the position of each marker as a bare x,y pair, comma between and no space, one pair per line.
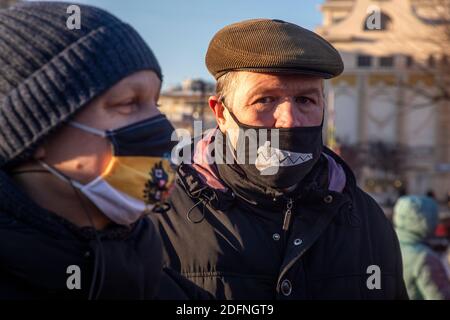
49,72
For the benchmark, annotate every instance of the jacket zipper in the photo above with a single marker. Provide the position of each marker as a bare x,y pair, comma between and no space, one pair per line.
288,215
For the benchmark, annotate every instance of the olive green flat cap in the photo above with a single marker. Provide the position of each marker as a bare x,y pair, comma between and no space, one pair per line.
265,45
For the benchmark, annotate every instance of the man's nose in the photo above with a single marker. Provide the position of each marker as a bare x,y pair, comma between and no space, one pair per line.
287,115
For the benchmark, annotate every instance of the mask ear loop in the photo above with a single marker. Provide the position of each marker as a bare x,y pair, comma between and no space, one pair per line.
233,116
60,175
89,129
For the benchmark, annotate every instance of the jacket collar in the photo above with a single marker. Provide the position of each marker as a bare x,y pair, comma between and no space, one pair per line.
204,176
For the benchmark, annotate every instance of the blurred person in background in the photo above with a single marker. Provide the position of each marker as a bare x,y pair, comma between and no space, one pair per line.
415,220
430,194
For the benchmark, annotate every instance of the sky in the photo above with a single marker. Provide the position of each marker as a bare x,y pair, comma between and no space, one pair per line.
179,31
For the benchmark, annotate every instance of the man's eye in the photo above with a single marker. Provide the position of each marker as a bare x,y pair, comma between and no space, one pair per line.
304,100
265,100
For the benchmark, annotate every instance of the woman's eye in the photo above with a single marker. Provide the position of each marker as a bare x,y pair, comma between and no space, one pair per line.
129,102
127,107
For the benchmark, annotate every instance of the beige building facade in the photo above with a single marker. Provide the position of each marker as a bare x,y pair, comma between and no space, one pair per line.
381,111
188,103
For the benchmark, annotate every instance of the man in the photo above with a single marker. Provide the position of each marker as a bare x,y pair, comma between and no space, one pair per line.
289,222
82,159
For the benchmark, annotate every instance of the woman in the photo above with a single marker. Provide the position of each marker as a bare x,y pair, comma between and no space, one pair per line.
83,159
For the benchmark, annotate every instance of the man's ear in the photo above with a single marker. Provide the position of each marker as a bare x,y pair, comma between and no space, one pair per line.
217,107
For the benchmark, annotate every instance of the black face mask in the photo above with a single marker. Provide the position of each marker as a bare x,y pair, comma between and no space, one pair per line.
139,175
277,166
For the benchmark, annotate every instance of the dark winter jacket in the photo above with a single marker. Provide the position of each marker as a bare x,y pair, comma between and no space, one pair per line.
41,253
239,241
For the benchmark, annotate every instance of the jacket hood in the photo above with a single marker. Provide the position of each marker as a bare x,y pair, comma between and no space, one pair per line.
415,218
